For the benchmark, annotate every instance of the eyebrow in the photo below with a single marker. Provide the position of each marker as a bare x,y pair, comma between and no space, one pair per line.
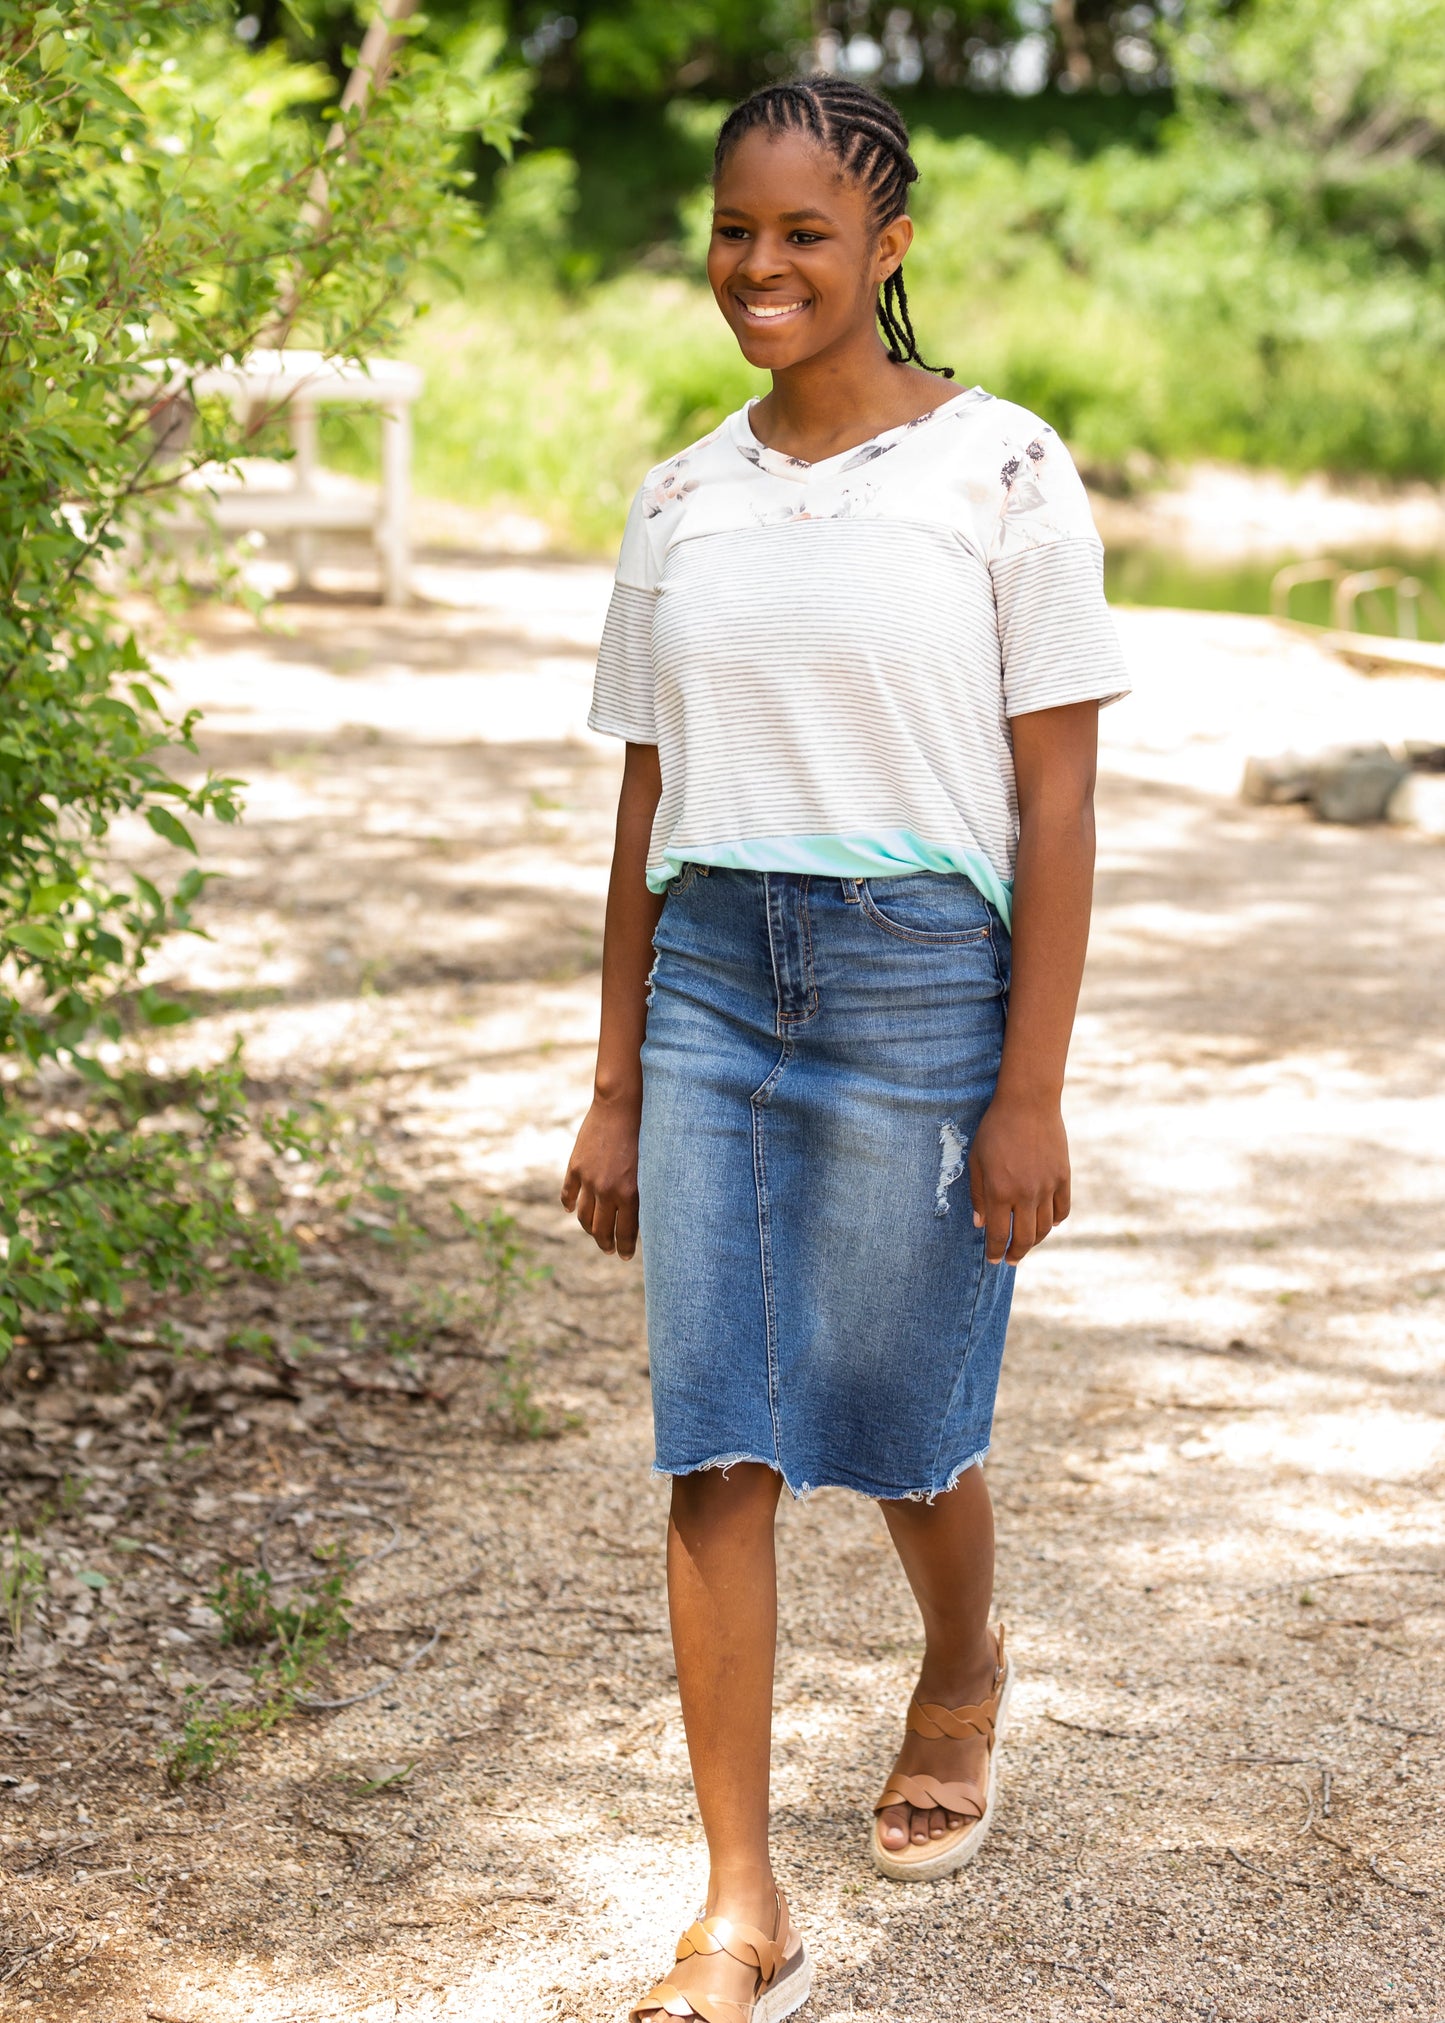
784,217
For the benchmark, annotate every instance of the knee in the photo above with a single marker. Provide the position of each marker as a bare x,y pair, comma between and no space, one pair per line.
745,1494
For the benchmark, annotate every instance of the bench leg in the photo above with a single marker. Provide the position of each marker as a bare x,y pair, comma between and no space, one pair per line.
303,442
393,532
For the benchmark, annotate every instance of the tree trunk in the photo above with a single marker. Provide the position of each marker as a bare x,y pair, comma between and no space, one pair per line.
1077,63
373,61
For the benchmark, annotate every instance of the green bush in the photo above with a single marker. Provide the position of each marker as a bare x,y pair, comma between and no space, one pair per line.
152,220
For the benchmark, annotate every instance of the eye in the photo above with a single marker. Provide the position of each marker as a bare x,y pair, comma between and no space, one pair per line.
730,231
806,238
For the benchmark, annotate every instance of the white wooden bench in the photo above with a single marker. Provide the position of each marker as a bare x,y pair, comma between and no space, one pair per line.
297,384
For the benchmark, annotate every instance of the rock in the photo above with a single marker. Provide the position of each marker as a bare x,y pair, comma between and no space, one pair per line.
1424,756
1419,803
1270,782
1295,776
1357,789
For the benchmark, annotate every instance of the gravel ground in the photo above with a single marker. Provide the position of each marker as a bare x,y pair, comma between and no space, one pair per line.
1219,1452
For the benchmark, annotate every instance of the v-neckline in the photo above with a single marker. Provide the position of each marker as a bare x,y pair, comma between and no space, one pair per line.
800,470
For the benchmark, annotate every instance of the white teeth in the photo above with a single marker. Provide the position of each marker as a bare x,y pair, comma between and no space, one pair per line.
783,309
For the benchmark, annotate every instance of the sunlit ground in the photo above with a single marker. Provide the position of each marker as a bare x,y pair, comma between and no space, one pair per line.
1221,1441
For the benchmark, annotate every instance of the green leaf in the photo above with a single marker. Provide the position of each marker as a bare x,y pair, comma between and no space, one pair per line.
159,1011
165,824
93,1071
53,51
38,941
50,898
71,262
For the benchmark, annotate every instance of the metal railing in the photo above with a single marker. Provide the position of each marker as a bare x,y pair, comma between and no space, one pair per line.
1284,580
1350,585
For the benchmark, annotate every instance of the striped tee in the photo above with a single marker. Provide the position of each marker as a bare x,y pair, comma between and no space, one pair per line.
827,655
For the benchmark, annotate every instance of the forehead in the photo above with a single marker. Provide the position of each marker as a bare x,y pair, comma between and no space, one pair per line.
771,174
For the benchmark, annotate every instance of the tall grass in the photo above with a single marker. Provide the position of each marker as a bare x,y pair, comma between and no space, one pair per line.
556,403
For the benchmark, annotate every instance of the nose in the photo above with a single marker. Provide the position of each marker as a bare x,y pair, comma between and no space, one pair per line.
764,260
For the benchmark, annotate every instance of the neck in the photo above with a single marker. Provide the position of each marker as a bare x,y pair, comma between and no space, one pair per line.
835,388
842,396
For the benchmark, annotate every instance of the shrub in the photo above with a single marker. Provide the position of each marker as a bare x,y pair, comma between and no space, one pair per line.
153,221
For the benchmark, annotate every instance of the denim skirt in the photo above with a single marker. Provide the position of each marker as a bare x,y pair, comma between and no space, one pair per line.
819,1053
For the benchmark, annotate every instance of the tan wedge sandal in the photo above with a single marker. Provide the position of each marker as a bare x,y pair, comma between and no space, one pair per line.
785,1976
923,1861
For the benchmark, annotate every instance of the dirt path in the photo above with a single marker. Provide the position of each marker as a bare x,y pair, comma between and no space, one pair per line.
1219,1456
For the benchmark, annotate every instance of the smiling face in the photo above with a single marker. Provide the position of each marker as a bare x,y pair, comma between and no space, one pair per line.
796,260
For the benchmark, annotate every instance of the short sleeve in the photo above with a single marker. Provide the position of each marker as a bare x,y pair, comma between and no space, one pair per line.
622,691
1058,639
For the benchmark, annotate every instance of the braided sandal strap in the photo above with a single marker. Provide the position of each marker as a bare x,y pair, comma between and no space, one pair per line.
926,1718
666,2000
926,1793
957,1723
705,1936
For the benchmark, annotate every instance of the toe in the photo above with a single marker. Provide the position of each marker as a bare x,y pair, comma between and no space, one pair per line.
955,1821
893,1825
937,1824
920,1827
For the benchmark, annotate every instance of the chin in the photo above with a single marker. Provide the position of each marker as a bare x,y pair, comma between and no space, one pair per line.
771,354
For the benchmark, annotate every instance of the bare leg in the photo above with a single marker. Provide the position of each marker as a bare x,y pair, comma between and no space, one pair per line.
723,1596
947,1552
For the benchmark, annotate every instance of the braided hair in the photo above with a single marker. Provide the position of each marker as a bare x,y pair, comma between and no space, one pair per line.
866,137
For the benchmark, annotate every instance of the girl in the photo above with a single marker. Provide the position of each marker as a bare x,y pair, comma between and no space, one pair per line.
857,647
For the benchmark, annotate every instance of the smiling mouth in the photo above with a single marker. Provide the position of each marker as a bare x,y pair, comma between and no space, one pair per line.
769,312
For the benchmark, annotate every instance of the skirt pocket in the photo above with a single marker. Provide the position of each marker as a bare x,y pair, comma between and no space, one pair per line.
946,911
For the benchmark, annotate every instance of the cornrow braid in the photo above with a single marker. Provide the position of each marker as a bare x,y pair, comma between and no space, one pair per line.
869,141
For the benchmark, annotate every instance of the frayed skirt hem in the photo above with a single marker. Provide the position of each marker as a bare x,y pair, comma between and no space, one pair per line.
800,1491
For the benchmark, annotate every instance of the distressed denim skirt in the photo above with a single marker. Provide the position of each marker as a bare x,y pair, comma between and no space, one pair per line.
819,1053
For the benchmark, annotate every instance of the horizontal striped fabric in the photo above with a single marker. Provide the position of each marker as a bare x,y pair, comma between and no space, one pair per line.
830,653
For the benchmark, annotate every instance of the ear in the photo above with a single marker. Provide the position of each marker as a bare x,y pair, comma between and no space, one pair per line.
893,242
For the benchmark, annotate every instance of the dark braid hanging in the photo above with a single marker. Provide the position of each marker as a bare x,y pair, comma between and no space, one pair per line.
869,141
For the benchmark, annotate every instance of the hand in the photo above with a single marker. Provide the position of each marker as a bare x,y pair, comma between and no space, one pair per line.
601,1181
1018,1176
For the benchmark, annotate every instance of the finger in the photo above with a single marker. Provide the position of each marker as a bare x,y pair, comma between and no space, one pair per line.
627,1228
569,1188
1043,1219
1023,1233
975,1193
585,1205
1063,1200
604,1224
998,1216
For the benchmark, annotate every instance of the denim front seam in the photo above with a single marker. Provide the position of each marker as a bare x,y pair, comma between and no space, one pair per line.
758,1105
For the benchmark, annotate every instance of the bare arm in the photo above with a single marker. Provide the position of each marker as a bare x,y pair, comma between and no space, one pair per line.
601,1182
1019,1168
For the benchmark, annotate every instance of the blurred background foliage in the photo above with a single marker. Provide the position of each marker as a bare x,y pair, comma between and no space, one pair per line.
1179,228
